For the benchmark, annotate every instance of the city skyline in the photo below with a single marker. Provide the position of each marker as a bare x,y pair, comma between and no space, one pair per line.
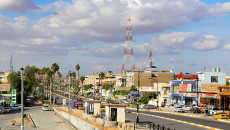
92,34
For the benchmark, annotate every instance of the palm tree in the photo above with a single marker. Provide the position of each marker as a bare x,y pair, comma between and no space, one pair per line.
101,76
59,76
54,68
82,81
50,74
77,67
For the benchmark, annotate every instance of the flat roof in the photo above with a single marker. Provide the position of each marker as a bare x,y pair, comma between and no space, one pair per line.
115,105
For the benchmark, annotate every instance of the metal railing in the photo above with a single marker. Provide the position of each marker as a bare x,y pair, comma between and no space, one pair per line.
150,126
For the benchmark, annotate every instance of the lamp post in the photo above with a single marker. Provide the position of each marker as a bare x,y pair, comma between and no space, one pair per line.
50,90
69,95
137,118
22,103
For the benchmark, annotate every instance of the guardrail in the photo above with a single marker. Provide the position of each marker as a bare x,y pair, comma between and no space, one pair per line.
150,126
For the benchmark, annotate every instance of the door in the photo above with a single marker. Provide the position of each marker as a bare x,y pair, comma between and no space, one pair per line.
113,114
91,108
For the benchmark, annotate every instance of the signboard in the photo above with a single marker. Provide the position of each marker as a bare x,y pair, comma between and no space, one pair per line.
189,87
64,102
209,88
75,104
4,87
226,90
183,87
186,76
14,96
208,95
176,89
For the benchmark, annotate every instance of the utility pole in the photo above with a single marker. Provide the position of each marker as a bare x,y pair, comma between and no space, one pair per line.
50,91
137,120
22,104
157,95
197,90
69,95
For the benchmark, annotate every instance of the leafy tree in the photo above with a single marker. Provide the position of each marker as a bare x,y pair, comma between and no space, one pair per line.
54,68
227,82
87,87
133,88
101,76
0,82
77,67
108,86
82,79
59,76
144,99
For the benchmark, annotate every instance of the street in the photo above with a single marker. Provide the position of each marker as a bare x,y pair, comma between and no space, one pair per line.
44,120
176,125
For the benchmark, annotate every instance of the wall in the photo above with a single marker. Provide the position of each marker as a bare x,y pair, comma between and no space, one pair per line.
76,122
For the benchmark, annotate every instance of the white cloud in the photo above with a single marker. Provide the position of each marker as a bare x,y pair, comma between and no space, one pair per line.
84,21
172,43
20,6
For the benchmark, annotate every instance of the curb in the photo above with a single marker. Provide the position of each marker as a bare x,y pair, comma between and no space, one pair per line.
176,113
185,122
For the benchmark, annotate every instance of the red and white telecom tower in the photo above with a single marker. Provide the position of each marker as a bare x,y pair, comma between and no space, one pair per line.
129,42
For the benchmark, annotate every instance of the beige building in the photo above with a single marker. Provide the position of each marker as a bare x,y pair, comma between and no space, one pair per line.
3,77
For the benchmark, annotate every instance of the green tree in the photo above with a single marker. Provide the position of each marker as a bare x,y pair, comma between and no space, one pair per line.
82,79
227,82
144,99
59,76
133,88
30,79
101,76
77,67
87,87
54,68
0,82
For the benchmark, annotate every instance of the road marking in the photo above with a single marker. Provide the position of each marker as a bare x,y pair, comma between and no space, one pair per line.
189,123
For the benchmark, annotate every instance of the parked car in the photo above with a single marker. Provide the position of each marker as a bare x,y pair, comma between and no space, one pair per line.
179,109
127,102
221,116
2,110
148,106
189,107
195,110
213,110
45,108
123,100
15,107
8,109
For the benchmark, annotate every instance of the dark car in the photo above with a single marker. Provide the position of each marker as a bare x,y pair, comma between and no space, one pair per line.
195,110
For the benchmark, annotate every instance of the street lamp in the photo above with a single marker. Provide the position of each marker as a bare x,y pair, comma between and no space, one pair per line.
22,104
137,118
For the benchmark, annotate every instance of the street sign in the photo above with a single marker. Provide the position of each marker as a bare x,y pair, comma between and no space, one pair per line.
64,102
14,95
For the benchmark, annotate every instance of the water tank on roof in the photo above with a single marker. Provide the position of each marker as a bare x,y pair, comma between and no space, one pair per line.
217,69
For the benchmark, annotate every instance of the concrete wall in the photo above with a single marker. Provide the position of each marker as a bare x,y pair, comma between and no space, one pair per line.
76,122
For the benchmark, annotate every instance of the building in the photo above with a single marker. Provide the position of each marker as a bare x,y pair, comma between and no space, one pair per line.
209,83
4,87
183,90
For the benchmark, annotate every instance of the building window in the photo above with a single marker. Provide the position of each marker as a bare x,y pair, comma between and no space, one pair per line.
214,79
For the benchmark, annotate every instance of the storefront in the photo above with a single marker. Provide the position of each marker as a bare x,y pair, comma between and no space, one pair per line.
224,93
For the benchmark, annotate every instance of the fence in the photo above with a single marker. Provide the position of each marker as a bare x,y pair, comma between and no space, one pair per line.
151,126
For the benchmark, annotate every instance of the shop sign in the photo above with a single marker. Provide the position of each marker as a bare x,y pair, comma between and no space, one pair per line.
224,90
208,95
175,89
176,82
189,87
4,87
209,88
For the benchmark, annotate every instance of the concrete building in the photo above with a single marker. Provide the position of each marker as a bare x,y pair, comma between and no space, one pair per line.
208,86
4,87
183,89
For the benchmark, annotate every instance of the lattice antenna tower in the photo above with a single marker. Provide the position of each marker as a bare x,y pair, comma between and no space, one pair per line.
172,65
11,64
151,60
128,54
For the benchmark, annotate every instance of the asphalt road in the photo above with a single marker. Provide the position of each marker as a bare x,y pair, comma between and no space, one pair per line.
44,120
197,120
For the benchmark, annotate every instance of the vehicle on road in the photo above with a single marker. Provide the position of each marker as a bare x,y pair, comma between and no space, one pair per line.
179,109
15,107
2,110
213,110
8,109
195,110
148,106
189,107
45,108
221,116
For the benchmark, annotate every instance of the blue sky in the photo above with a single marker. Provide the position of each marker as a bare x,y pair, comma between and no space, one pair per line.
92,33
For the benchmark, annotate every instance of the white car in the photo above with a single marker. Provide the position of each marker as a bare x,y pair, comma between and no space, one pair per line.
8,109
45,108
15,107
179,109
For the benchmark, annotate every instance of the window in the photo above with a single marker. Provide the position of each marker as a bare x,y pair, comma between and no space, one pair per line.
214,79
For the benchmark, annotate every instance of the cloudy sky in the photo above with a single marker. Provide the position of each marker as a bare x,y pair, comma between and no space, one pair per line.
92,33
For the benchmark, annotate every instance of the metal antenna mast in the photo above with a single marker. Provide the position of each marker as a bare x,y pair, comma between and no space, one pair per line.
11,64
151,60
129,42
172,66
